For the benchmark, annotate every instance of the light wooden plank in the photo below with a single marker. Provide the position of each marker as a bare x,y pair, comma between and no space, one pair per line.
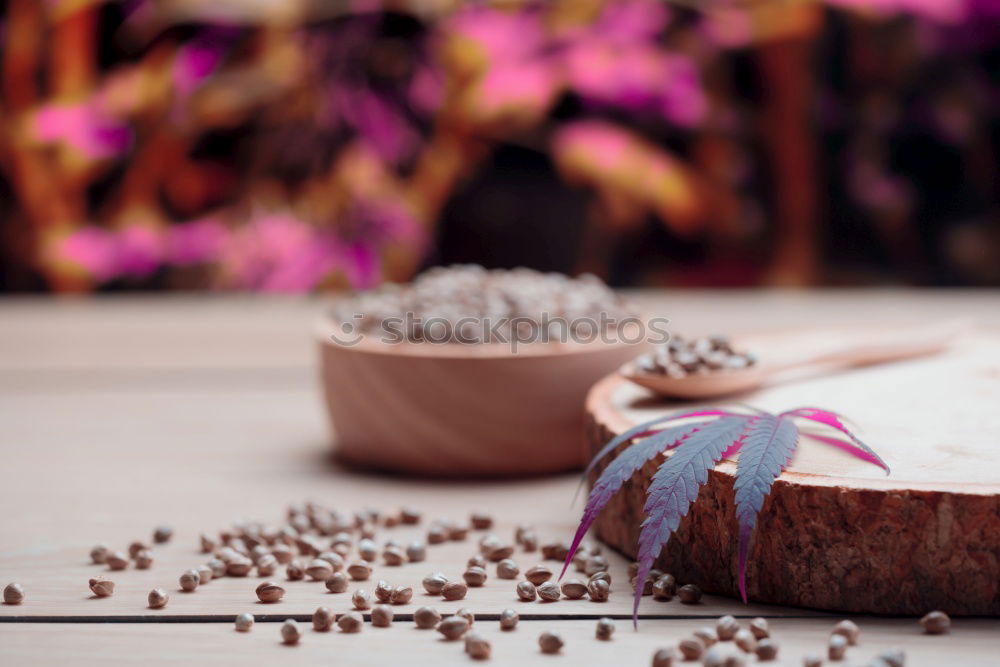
972,643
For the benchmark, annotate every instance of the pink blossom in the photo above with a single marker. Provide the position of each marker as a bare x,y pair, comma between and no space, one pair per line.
84,127
196,241
141,249
503,36
93,249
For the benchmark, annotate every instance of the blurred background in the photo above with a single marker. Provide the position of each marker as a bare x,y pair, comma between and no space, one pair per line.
301,145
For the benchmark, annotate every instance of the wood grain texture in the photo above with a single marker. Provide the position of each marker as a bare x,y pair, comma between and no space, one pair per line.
835,533
972,643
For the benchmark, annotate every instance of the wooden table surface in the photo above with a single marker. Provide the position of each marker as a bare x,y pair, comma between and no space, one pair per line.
120,414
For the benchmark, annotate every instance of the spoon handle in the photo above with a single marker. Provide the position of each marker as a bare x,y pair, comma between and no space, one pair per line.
890,346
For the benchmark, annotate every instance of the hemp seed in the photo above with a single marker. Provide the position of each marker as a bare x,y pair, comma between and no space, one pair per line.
361,599
337,583
143,559
99,554
335,560
596,564
759,628
598,590
359,570
204,574
509,619
664,588
157,598
426,618
382,616
507,569
383,590
849,630
244,622
436,534
745,640
401,595
270,592
319,570
323,619
294,571
102,588
477,647
475,576
605,629
116,561
689,594
707,635
239,567
290,633
812,660
457,533
549,592
837,647
394,556
550,642
135,547
664,657
267,565
936,623
573,589
726,627
526,591
13,593
481,521
189,580
217,567
893,657
454,590
352,621
434,582
409,516
453,627
416,551
555,551
767,649
691,649
538,574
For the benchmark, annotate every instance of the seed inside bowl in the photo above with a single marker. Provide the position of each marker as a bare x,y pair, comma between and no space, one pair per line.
681,357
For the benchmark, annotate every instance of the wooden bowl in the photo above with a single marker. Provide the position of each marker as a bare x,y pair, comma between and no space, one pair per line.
462,410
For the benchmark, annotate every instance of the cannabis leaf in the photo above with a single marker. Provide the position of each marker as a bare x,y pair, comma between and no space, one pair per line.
766,444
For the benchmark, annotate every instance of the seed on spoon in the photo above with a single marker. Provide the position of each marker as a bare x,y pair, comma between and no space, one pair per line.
936,623
323,619
550,642
605,629
526,591
508,619
157,598
382,616
244,622
102,588
426,618
189,580
454,590
453,627
434,582
270,592
352,621
290,633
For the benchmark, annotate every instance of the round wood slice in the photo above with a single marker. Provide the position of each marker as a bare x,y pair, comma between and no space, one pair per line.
836,533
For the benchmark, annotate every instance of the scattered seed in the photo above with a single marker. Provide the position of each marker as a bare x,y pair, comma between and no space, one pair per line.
605,628
454,590
555,551
689,594
526,591
269,592
549,591
811,660
500,552
116,561
335,560
290,633
13,593
726,627
383,590
481,521
361,599
745,640
426,618
457,533
323,619
475,576
217,567
707,635
759,628
837,647
337,583
647,586
319,570
135,547
207,543
401,595
436,534
476,560
538,574
664,657
849,630
550,642
573,589
434,582
359,570
767,649
409,515
294,571
267,565
244,622
189,580
416,551
893,657
936,623
664,588
394,555
453,627
205,574
507,569
99,554
477,647
157,598
282,553
691,649
102,588
367,549
239,567
382,616
352,621
598,590
596,564
509,619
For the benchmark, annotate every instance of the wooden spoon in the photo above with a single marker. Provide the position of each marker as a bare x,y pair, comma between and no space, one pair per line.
869,348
